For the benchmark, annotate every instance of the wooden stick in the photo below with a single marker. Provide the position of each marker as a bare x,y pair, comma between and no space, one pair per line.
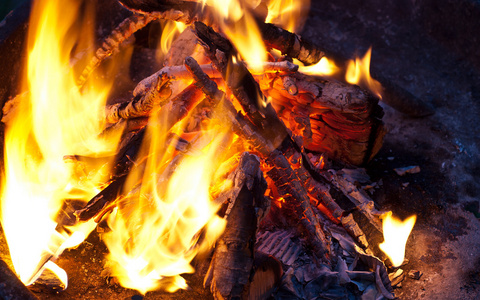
142,105
231,268
112,43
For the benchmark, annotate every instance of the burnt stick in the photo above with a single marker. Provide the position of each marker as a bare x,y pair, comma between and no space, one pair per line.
231,268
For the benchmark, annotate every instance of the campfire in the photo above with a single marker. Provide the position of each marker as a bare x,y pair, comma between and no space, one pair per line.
242,153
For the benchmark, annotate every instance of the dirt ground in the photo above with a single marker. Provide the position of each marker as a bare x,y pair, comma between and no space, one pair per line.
411,49
416,53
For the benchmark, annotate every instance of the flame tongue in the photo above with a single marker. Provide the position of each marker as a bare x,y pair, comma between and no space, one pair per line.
358,72
395,233
155,231
53,120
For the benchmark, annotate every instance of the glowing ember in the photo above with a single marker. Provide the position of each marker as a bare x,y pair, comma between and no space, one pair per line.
358,72
395,233
52,120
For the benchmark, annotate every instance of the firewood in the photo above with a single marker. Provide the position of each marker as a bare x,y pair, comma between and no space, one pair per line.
290,43
231,268
142,105
11,287
112,43
341,120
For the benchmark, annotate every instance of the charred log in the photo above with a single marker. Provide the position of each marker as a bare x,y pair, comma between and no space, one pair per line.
231,269
11,287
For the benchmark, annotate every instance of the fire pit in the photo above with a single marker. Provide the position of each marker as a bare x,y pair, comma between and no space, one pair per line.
385,170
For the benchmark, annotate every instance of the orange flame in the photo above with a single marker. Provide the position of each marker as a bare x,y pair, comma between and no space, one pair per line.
324,67
53,120
358,72
395,233
288,14
170,32
240,27
156,232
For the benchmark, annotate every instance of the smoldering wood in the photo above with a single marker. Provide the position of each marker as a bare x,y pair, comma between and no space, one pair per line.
11,287
247,90
231,268
332,117
283,174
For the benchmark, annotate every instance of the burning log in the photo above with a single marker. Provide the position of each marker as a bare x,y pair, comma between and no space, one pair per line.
286,180
231,268
331,117
11,287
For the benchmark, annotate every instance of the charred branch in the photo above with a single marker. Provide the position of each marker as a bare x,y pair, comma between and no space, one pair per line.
141,105
231,269
290,43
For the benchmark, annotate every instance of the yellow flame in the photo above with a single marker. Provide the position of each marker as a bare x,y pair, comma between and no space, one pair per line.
163,225
288,14
55,119
358,72
240,27
324,67
395,234
170,32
